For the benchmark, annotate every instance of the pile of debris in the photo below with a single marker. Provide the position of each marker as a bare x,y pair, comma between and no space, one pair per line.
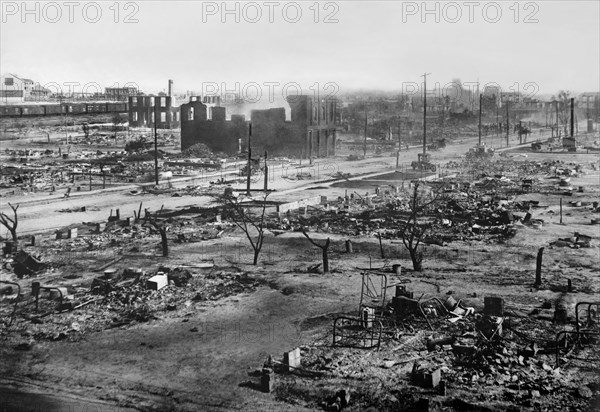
120,297
505,353
198,150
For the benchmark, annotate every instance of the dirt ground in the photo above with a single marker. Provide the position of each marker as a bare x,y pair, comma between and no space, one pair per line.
203,345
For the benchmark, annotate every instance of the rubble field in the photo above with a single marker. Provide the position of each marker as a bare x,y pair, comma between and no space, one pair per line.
503,315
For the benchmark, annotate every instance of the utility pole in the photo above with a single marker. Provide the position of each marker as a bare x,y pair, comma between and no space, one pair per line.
425,112
365,142
587,113
557,134
399,146
65,116
155,146
249,166
507,123
497,118
572,117
266,172
443,118
520,133
480,95
399,139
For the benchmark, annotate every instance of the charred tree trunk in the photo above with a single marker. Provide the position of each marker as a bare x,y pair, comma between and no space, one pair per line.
13,234
349,246
324,250
417,260
256,253
11,224
381,246
538,267
164,242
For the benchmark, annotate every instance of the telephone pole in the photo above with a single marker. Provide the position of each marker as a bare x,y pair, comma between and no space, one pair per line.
497,118
249,166
399,139
365,141
557,126
572,117
266,173
425,112
155,146
480,95
507,123
587,114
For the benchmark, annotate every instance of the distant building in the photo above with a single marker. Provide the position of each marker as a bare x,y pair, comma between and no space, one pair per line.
310,133
513,97
208,124
120,93
589,100
15,89
143,109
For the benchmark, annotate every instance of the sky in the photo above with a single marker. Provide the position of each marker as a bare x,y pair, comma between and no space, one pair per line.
282,46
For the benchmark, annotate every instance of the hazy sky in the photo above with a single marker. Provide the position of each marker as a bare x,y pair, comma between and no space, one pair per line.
546,45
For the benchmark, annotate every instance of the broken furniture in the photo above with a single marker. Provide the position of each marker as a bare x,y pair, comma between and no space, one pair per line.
373,292
582,336
27,265
450,307
354,333
592,315
427,378
36,288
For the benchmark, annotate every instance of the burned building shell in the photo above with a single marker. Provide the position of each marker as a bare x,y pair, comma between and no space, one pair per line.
143,110
310,133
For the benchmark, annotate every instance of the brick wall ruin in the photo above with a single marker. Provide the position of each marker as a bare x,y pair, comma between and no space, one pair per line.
310,133
142,110
219,134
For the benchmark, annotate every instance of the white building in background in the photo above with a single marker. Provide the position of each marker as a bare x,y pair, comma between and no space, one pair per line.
16,90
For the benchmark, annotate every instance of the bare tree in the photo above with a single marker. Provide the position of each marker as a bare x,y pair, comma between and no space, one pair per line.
10,224
245,218
564,111
162,230
414,230
324,250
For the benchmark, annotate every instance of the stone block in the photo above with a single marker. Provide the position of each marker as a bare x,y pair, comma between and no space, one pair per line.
157,282
72,234
292,359
267,380
432,379
110,274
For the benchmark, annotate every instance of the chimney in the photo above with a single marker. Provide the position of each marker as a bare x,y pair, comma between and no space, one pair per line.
170,87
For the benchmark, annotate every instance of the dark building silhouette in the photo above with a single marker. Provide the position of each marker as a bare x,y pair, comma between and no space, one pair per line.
219,134
310,133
